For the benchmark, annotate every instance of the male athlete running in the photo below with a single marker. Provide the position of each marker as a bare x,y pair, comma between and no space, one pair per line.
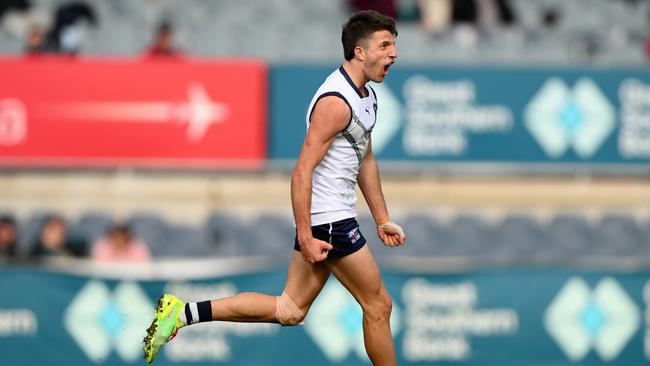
336,154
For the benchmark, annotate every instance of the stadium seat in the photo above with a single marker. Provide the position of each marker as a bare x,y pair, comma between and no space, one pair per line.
425,236
93,224
518,237
616,236
150,228
471,236
223,234
295,31
273,235
184,241
566,238
643,249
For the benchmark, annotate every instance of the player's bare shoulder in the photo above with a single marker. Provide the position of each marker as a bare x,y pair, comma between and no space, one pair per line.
330,115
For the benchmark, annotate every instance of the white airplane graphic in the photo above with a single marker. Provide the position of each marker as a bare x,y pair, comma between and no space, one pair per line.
199,112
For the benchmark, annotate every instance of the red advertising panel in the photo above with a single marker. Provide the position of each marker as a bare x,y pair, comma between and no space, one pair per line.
162,114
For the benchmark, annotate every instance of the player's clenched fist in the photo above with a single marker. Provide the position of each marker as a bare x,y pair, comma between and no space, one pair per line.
391,234
314,250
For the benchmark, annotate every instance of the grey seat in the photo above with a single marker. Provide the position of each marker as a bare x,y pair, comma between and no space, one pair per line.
471,236
518,237
566,239
644,247
272,235
94,225
184,241
426,236
617,236
151,229
223,233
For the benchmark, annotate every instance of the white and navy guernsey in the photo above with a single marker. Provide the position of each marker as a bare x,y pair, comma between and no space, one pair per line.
335,177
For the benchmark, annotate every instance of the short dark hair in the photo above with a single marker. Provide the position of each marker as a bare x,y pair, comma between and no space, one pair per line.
362,25
165,27
120,228
7,220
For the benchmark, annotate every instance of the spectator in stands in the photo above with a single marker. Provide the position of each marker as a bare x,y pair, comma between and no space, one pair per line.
484,13
12,5
163,43
437,15
386,7
71,24
119,245
35,42
15,17
550,17
54,240
8,237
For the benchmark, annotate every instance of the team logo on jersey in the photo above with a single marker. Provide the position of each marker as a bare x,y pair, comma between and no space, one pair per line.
354,235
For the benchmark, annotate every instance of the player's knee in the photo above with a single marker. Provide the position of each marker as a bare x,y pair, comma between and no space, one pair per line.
380,308
287,312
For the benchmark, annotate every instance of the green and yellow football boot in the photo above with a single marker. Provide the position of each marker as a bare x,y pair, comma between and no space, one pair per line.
164,327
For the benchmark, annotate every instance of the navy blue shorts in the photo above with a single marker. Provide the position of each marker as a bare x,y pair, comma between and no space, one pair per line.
344,235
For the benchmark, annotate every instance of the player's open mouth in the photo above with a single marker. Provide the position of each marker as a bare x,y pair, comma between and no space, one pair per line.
387,66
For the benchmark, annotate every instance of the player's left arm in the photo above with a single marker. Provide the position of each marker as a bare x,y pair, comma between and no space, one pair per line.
370,185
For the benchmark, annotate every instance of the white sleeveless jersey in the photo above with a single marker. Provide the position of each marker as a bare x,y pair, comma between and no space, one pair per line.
334,178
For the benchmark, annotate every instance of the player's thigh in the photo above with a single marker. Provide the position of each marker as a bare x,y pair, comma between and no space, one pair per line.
305,280
359,273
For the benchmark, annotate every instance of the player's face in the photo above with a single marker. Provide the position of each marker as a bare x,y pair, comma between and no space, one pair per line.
380,55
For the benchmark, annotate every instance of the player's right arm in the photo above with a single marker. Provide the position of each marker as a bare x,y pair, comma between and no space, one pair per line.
330,116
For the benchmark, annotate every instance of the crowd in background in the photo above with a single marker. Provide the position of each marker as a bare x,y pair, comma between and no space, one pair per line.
64,31
56,239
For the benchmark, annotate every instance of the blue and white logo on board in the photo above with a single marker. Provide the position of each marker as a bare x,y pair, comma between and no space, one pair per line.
335,323
560,117
603,319
101,320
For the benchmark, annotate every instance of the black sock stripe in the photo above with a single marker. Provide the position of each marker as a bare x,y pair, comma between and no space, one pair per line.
188,314
205,311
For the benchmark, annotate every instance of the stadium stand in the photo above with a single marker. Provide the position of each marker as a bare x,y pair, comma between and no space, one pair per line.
515,239
544,33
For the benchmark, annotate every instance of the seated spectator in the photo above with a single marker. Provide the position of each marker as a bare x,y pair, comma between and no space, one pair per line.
35,42
54,240
71,24
8,237
386,7
15,17
484,13
435,15
9,5
119,245
163,43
